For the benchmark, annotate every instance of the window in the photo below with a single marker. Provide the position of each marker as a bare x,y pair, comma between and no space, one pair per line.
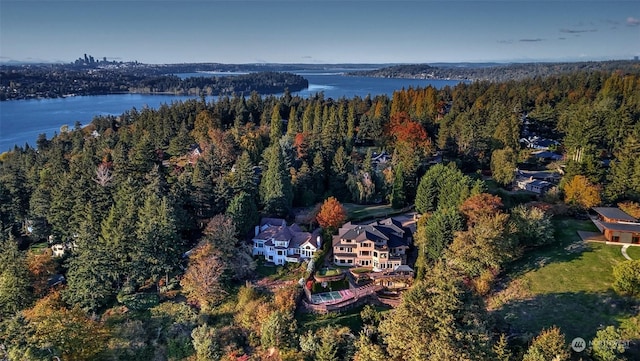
349,261
375,254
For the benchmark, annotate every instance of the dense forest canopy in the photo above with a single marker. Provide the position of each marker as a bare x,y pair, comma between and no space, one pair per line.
130,194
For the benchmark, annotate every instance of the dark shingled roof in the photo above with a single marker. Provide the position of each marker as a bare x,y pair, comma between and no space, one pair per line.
624,227
614,213
387,231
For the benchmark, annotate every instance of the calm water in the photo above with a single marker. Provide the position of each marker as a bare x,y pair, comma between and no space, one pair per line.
21,121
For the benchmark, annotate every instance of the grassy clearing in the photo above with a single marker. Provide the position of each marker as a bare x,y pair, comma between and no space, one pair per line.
361,211
567,284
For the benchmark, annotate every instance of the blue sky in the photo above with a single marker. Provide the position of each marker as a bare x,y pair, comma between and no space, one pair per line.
307,31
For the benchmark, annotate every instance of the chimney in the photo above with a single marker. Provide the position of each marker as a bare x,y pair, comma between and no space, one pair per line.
319,241
257,231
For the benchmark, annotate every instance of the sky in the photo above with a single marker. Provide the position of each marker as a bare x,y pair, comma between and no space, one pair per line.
315,31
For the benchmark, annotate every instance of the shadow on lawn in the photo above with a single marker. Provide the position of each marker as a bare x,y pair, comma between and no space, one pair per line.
578,314
544,256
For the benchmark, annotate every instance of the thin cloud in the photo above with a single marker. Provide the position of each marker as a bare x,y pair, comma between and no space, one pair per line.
505,41
631,21
577,31
531,40
562,38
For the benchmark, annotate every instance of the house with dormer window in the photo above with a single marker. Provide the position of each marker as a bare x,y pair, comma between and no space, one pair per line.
279,243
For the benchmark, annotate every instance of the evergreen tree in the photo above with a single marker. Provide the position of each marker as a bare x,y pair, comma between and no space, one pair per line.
275,187
303,186
118,232
307,119
276,330
202,191
159,246
438,319
293,123
244,212
351,125
317,169
397,192
437,232
276,125
14,279
91,274
340,169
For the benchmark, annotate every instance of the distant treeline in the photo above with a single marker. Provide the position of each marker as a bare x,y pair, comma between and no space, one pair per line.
263,83
53,81
496,72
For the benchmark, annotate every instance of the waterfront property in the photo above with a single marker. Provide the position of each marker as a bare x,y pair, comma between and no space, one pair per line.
279,243
381,245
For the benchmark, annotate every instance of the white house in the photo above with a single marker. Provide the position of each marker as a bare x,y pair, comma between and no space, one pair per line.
279,243
534,185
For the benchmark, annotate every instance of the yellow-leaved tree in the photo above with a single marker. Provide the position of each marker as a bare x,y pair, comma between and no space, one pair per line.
581,193
68,333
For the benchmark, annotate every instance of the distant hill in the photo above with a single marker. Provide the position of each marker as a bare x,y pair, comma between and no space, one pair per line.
494,71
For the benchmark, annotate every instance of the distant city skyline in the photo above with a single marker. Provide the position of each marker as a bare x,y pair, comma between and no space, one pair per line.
323,32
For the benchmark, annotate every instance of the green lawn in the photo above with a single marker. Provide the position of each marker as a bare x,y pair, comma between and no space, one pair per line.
279,273
351,319
634,252
39,247
328,272
567,284
342,284
356,212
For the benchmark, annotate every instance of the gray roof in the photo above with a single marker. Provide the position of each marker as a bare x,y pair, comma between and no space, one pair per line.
382,231
614,213
403,268
624,227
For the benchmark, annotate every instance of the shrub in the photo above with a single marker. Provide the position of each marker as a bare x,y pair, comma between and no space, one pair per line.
626,277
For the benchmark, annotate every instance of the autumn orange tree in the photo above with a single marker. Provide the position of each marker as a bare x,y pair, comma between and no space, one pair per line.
41,267
479,205
581,193
332,214
202,282
68,333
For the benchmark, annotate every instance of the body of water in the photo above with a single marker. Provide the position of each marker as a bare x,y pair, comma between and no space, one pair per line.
21,121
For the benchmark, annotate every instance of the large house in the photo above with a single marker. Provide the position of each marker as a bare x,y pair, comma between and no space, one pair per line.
381,245
279,243
616,225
